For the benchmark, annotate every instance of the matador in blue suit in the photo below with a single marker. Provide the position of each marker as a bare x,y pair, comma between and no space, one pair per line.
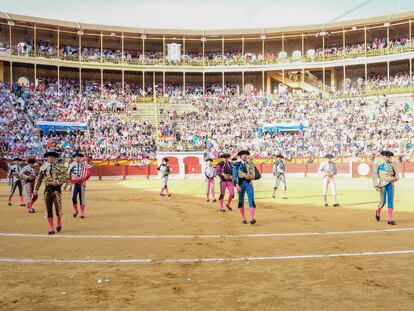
244,186
384,177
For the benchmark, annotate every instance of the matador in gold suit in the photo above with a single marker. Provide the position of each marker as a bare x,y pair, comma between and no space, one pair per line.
54,175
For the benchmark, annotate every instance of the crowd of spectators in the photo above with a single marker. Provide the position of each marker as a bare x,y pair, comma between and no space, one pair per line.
218,121
359,48
340,126
109,133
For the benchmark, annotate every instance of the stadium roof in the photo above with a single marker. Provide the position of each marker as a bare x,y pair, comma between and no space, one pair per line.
209,32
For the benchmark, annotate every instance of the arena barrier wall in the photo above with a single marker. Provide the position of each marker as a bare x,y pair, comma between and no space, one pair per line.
365,169
193,168
192,165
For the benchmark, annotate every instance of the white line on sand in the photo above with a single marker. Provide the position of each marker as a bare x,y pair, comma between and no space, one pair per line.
211,236
192,260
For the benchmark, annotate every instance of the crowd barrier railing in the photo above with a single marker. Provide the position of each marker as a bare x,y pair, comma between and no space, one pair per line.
147,168
238,61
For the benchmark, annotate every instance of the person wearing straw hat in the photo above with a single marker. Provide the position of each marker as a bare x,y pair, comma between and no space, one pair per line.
225,170
279,171
384,177
28,177
15,181
328,170
79,172
54,175
210,174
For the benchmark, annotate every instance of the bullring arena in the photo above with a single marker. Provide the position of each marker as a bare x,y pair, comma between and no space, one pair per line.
301,106
150,251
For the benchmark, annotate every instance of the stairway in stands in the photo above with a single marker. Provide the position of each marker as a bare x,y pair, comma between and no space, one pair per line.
150,112
307,83
144,112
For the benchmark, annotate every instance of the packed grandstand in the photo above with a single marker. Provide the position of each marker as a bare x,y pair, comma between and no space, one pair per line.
298,92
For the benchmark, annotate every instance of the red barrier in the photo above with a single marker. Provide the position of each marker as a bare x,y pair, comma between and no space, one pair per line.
192,169
124,170
138,170
191,160
259,168
117,170
297,168
311,168
3,174
192,165
153,170
173,163
365,169
96,171
342,168
266,168
361,169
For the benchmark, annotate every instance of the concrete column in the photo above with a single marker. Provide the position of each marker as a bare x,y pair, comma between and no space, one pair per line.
2,72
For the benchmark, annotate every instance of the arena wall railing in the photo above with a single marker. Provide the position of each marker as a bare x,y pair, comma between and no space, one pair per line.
192,168
225,62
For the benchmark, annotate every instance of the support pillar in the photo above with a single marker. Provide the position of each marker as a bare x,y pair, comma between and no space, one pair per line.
163,83
184,83
154,91
2,72
323,82
58,80
365,40
123,81
35,40
80,48
143,83
80,81
203,47
222,49
58,43
10,41
35,75
334,77
11,75
122,48
263,52
101,58
243,48
143,50
388,40
366,72
303,45
163,49
388,74
204,83
222,83
242,82
183,47
269,85
343,87
102,86
263,82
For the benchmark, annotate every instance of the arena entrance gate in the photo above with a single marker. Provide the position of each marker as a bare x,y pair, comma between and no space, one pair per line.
184,164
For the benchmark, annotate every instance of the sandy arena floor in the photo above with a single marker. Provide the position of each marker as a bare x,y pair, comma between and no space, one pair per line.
128,224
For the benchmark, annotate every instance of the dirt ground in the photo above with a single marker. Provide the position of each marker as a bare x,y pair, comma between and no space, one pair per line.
373,282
